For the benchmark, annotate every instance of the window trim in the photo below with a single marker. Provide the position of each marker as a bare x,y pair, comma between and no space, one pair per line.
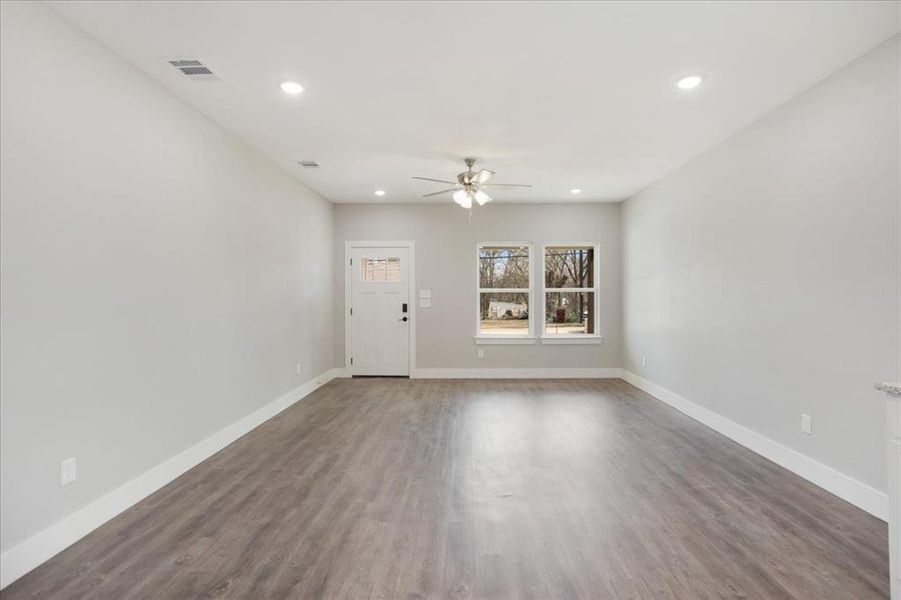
529,338
589,338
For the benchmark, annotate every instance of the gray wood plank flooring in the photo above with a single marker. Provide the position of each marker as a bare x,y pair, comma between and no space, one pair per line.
478,489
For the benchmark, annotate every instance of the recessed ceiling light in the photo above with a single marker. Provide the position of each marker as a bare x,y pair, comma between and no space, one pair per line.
575,191
291,87
380,192
689,82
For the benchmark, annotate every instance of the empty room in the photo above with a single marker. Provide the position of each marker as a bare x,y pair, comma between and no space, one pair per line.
473,300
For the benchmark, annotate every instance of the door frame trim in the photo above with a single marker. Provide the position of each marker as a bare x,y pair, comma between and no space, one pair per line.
410,245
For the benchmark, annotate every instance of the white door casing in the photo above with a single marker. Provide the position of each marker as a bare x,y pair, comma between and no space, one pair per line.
380,286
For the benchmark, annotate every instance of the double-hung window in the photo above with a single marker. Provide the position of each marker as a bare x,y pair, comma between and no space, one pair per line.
570,296
505,292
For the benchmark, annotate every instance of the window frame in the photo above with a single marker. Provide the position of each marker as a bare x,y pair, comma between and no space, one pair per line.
529,338
564,338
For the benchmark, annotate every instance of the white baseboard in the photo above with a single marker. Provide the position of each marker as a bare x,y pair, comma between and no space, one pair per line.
575,373
847,488
27,555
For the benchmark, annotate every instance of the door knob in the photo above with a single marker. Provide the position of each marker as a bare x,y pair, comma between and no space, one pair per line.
402,319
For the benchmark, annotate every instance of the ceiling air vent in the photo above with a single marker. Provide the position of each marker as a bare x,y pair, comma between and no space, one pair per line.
308,164
194,69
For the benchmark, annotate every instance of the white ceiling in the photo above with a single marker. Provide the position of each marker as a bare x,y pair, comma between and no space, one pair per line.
556,94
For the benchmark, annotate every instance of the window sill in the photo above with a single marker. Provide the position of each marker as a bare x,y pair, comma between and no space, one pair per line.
573,339
509,340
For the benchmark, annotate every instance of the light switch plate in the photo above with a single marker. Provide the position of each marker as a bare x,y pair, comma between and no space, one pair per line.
425,303
425,293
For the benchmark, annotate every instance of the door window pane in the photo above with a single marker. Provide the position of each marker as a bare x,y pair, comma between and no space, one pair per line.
380,270
504,267
569,313
503,314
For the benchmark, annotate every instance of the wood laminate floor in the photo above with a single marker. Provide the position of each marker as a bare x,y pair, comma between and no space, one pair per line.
416,489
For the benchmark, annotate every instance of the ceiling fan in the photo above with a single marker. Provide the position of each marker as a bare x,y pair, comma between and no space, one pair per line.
470,185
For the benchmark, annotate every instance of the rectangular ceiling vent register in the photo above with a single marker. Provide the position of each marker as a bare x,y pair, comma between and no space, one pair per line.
194,69
308,164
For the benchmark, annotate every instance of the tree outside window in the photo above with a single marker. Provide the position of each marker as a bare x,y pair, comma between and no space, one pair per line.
570,290
504,290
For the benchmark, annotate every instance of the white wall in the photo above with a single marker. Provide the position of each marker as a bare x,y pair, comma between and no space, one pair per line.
159,279
761,280
446,240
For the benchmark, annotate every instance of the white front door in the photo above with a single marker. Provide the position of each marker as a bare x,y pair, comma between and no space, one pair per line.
380,311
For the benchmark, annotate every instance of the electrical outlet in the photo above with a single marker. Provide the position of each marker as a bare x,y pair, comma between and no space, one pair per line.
480,353
806,424
644,362
67,471
297,369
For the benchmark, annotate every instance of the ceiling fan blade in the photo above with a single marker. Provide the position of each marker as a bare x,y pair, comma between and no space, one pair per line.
482,176
523,185
441,192
436,180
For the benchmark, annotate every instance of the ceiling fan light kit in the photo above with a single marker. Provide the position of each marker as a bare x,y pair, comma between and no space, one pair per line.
469,185
463,198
